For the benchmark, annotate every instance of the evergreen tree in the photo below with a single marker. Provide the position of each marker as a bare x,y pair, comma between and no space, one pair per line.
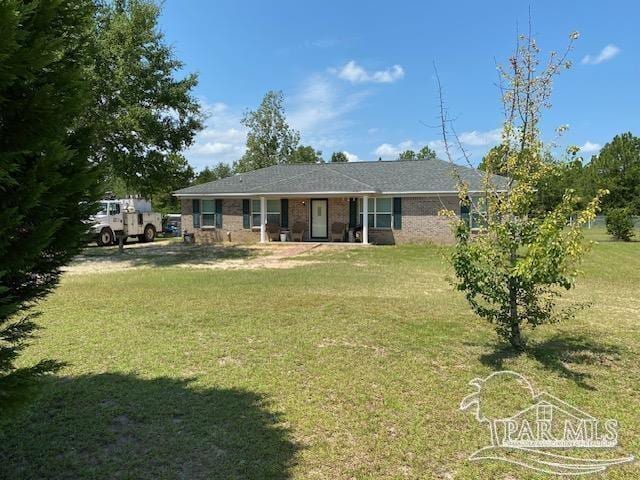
426,153
339,157
617,169
407,155
221,170
47,185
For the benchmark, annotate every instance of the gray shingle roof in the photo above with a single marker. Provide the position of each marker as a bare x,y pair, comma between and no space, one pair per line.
354,177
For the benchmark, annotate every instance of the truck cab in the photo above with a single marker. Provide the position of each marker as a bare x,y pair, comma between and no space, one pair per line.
126,218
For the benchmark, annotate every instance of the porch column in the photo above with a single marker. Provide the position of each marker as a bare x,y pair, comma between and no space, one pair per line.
263,220
365,219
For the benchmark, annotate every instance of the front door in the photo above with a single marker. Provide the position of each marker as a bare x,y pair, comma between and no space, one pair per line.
319,224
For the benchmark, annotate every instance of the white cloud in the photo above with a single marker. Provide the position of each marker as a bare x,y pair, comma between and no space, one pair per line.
354,73
352,157
320,109
390,151
471,141
222,140
589,147
607,53
481,139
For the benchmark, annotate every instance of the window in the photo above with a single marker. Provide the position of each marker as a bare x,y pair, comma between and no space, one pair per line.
380,210
478,213
208,213
545,412
465,212
114,208
474,213
273,212
255,213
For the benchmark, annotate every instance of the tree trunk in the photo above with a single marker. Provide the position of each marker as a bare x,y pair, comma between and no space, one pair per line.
515,337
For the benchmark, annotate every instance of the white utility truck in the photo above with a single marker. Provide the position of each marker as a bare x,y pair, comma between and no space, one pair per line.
129,217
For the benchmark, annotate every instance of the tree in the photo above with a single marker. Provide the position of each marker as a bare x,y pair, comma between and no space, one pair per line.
620,224
513,273
426,153
221,170
270,140
339,157
563,175
407,155
494,161
617,169
179,175
305,154
143,115
48,187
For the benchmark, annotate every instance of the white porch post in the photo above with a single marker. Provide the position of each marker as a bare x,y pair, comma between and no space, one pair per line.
263,220
365,219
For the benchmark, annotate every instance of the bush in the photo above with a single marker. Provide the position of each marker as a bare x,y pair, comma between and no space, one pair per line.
620,224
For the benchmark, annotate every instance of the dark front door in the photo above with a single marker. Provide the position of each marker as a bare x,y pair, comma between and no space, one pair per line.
319,218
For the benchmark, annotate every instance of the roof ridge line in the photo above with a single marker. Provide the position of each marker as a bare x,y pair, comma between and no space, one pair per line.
351,178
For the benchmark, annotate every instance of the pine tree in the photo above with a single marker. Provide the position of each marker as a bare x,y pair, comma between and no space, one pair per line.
47,186
339,157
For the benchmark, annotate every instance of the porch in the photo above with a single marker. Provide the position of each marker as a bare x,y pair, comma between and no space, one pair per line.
329,219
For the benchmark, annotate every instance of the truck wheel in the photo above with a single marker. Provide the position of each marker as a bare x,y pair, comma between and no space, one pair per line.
105,237
149,234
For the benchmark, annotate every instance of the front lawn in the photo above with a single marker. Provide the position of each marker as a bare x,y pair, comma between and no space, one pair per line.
350,364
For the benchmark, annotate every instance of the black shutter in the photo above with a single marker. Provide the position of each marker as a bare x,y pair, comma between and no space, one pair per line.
397,213
246,213
353,212
465,211
196,213
218,213
284,213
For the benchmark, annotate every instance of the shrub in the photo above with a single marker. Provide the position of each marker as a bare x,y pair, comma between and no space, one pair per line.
620,224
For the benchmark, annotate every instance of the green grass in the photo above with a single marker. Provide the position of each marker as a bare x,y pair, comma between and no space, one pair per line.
352,366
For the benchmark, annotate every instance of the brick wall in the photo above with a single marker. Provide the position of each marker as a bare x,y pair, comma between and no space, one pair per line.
420,221
231,224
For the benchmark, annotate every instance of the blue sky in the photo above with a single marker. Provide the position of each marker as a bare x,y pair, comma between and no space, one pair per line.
357,76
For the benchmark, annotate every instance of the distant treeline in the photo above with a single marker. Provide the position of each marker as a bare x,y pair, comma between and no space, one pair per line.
615,168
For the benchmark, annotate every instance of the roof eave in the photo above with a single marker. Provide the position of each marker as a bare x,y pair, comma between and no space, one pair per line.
271,194
320,194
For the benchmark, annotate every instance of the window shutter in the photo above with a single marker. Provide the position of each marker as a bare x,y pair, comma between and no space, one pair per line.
246,213
353,212
196,213
284,213
465,211
218,213
397,213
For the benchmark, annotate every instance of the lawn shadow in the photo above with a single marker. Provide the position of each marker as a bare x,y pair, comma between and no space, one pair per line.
111,426
559,354
166,254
